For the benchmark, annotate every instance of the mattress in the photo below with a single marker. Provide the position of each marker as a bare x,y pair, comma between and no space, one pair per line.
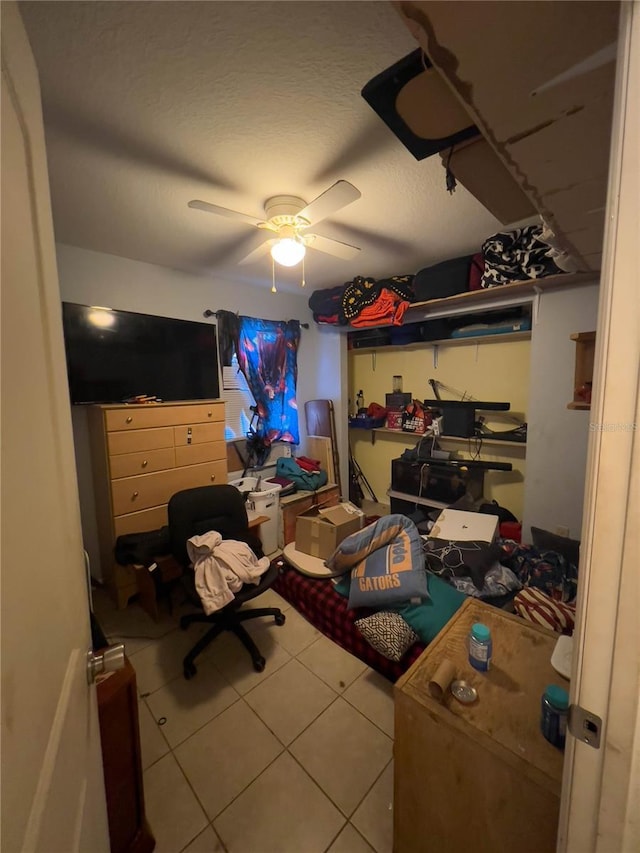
319,603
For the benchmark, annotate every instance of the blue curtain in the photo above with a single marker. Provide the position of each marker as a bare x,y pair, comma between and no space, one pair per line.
267,353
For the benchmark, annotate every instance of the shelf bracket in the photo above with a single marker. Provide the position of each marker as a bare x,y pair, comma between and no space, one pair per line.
535,307
435,350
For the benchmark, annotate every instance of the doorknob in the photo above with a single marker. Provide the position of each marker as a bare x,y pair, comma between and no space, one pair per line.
111,659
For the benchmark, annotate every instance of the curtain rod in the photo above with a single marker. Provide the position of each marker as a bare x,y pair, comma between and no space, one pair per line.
209,313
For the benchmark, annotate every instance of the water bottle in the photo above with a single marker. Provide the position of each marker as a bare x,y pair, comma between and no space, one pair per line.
554,714
480,647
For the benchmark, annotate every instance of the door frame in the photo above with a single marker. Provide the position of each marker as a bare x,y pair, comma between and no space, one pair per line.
601,787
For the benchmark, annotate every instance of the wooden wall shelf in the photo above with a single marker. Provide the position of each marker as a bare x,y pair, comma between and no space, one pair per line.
583,375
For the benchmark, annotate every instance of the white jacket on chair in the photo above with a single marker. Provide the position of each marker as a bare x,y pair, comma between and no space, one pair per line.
221,567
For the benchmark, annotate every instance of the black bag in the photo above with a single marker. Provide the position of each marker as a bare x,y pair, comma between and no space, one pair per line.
445,279
142,548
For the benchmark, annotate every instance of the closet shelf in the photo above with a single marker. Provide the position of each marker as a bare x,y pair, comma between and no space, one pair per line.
506,295
486,439
449,342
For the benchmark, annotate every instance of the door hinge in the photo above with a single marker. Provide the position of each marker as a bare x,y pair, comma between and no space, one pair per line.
585,726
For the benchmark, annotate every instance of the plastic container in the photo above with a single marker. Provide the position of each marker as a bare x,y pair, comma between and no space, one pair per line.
554,713
480,647
264,499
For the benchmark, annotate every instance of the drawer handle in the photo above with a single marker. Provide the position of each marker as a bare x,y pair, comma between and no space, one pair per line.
209,414
213,476
134,496
144,463
129,419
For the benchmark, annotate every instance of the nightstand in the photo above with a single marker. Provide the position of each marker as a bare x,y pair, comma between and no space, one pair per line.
478,777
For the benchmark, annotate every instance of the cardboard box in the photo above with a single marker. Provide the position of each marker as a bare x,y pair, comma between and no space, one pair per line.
458,526
320,530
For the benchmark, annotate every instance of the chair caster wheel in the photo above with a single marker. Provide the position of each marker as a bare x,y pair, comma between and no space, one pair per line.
259,664
280,619
189,671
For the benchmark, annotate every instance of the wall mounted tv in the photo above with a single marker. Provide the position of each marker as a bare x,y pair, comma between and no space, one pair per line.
115,355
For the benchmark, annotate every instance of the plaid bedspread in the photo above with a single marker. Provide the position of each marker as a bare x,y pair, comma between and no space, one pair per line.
320,604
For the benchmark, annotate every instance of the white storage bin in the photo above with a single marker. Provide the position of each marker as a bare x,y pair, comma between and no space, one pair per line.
264,499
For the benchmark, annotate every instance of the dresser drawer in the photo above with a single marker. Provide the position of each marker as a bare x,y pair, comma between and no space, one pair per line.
199,433
139,522
192,454
134,441
144,417
134,493
129,464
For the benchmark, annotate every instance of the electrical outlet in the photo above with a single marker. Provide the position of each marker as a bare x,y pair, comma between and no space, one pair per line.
286,451
562,531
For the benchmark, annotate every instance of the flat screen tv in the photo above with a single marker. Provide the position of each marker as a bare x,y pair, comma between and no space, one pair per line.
115,355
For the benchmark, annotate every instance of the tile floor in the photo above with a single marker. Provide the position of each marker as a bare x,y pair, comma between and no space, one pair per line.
296,759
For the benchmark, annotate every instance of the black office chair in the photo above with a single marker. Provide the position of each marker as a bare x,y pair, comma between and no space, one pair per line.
193,512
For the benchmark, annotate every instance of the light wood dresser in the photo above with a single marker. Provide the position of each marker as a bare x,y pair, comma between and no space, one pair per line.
141,456
478,777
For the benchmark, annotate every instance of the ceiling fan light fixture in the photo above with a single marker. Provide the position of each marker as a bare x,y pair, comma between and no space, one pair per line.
288,251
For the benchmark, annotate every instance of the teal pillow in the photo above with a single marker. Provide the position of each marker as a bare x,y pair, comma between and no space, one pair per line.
428,619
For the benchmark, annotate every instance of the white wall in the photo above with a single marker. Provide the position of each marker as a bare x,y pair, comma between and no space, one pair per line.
556,436
94,278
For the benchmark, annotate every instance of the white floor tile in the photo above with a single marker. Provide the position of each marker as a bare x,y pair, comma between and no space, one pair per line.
172,810
161,661
207,842
331,663
283,811
344,753
188,705
372,695
269,598
234,662
224,756
350,841
290,699
374,816
152,744
296,633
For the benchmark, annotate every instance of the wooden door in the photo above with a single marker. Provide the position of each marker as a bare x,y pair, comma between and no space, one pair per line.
52,782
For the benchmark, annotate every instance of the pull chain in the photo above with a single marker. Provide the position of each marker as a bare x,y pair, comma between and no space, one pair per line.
273,276
303,282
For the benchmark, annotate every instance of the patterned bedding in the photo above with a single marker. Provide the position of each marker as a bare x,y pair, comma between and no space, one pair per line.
320,604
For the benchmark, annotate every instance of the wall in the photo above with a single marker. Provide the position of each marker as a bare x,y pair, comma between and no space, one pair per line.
94,278
557,440
494,370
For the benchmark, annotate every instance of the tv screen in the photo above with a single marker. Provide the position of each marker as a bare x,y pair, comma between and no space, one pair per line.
115,355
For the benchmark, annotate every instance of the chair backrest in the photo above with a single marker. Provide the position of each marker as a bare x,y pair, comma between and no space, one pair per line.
193,512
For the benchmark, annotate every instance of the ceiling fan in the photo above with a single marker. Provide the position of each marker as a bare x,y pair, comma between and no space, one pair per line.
288,217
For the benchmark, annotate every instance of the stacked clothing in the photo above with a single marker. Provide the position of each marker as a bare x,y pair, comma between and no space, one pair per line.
222,567
516,255
364,301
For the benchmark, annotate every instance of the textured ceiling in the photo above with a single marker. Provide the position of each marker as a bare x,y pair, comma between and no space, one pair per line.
148,105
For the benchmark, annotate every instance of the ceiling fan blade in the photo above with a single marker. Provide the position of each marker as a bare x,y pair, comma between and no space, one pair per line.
260,252
331,247
224,211
336,197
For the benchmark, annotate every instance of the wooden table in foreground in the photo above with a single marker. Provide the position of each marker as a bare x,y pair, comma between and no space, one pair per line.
478,777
